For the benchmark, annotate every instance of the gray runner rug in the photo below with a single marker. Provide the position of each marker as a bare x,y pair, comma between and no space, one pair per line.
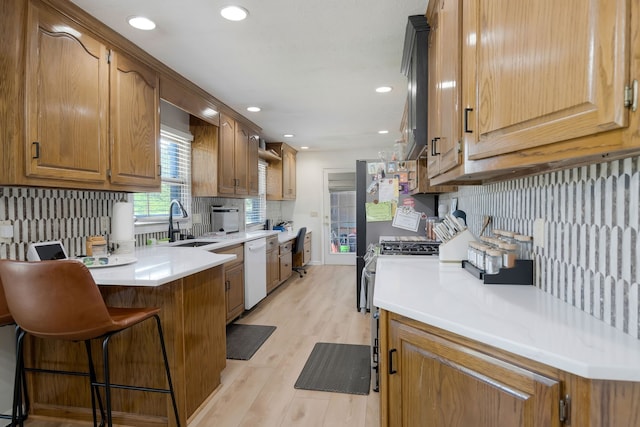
339,368
244,340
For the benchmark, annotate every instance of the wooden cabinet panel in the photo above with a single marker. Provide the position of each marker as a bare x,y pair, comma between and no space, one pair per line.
288,173
204,158
286,260
234,282
241,149
281,175
66,106
273,263
560,73
226,149
253,182
237,159
135,123
437,382
444,83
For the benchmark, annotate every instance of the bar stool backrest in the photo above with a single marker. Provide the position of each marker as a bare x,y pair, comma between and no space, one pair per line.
55,299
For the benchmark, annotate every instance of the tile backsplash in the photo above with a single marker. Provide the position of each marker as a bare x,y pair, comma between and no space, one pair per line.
591,251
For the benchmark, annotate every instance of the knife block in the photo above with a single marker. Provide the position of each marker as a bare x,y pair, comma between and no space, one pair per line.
455,250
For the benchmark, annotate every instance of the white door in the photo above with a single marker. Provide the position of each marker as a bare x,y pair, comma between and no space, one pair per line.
339,217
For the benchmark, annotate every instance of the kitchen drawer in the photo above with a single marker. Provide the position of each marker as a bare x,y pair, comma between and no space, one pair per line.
237,250
307,238
272,242
286,247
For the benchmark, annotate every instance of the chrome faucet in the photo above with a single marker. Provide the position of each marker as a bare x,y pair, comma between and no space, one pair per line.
184,215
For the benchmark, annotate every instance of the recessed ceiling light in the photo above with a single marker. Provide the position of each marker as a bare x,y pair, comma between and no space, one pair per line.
382,132
288,135
304,148
384,89
141,23
253,109
234,13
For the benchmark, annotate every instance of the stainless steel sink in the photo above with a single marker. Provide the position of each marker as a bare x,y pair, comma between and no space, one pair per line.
192,244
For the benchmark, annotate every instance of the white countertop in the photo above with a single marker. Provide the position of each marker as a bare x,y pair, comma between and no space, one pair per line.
163,263
522,320
158,265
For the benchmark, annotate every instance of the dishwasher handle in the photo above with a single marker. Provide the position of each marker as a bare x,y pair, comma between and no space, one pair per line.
255,247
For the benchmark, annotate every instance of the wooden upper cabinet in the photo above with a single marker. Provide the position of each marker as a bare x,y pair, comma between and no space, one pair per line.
545,71
135,123
252,165
240,160
237,159
288,173
204,158
226,148
281,174
444,84
67,99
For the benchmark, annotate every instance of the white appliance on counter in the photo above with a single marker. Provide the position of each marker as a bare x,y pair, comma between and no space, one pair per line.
255,273
225,219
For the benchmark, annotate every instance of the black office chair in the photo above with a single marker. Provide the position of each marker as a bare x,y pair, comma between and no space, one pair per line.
298,251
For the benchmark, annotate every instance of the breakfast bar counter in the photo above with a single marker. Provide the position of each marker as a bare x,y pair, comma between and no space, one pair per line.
187,285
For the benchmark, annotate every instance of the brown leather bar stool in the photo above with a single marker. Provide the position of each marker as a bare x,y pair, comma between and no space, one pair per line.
18,412
60,300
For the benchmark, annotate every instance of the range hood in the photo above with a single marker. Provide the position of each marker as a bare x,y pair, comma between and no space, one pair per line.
415,67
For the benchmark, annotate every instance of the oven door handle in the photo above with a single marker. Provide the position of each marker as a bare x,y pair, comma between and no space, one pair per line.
391,353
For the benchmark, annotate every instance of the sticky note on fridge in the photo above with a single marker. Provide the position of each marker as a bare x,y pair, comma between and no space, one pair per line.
379,211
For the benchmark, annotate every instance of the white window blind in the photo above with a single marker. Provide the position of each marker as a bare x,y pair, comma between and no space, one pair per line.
175,161
256,208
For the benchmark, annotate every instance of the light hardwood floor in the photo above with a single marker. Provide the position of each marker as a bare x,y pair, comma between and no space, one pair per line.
317,308
259,393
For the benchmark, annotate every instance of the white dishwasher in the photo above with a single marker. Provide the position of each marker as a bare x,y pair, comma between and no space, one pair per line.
255,272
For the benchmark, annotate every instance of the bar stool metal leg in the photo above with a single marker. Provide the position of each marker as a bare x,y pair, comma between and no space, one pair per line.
95,390
166,367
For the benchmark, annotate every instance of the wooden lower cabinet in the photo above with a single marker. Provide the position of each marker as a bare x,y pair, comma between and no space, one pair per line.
286,260
273,263
430,377
234,282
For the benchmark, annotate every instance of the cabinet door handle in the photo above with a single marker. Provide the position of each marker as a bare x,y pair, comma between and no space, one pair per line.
434,151
391,353
37,155
466,120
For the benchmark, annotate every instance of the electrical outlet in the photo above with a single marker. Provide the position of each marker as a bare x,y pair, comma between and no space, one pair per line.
538,233
197,218
313,214
6,232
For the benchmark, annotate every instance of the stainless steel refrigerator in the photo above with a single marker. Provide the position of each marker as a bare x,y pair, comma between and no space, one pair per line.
368,232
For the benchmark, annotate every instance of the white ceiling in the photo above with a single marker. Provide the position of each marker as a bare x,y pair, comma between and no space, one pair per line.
311,65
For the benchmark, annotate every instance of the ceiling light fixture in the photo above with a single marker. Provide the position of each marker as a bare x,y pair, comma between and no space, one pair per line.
234,13
253,109
382,132
304,148
141,23
384,89
288,135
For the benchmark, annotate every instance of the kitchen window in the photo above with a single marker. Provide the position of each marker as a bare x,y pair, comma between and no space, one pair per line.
256,208
175,161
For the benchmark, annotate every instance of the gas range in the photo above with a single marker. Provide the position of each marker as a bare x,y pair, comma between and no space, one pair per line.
409,245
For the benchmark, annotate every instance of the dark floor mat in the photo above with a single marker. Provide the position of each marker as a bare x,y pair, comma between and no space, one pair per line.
244,340
340,368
